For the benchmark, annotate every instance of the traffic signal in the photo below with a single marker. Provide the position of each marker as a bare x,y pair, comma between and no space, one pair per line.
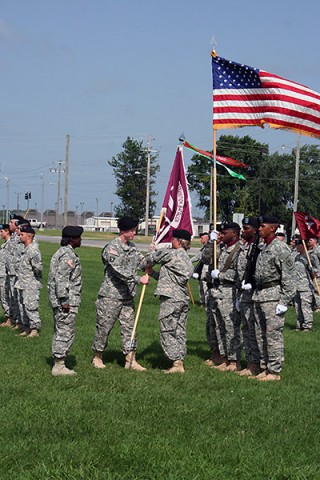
26,195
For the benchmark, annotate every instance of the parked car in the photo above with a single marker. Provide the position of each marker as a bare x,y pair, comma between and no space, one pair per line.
36,223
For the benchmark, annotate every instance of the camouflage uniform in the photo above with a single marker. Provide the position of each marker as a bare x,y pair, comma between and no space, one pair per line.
116,295
303,299
246,309
176,269
213,332
15,251
64,287
275,283
28,285
203,288
4,281
227,316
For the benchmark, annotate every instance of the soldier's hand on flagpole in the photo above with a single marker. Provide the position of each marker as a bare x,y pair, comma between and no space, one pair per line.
215,274
214,235
144,280
246,286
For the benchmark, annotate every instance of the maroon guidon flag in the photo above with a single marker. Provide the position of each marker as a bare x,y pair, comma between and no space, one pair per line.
176,208
309,227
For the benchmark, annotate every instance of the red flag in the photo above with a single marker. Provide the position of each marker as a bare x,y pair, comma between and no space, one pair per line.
308,226
245,96
225,160
176,207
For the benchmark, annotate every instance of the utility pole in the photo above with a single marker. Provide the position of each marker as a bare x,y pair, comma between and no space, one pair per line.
296,186
58,171
97,201
146,231
18,203
8,196
66,183
42,200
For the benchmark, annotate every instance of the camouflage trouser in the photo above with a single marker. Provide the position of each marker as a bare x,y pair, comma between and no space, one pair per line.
212,327
63,331
203,292
13,300
228,320
248,330
303,304
270,340
173,322
28,307
4,297
108,311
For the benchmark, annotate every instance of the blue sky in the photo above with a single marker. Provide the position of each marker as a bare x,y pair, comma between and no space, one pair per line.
102,70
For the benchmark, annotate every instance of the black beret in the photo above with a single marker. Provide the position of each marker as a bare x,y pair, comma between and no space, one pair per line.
127,223
4,226
203,234
269,219
27,229
19,220
230,226
72,231
252,221
298,241
181,234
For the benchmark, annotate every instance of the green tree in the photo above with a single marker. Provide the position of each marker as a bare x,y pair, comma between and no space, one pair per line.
130,170
270,179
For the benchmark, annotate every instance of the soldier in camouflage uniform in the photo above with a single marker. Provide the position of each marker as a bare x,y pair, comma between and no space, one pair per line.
203,269
213,332
228,317
303,299
28,283
175,271
275,287
15,250
116,296
4,287
245,271
64,288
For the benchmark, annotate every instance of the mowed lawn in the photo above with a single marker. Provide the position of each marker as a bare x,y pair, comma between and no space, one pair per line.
116,424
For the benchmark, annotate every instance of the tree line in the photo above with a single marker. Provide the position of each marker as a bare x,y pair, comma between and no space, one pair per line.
269,185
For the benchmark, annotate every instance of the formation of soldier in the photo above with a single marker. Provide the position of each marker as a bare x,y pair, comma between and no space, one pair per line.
248,278
252,280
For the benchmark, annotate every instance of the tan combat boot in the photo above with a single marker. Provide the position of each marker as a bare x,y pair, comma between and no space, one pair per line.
33,333
24,331
97,360
261,375
270,377
223,365
7,323
214,359
177,367
59,368
233,366
132,364
252,369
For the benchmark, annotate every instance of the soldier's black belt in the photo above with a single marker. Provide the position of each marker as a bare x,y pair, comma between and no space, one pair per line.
227,282
268,285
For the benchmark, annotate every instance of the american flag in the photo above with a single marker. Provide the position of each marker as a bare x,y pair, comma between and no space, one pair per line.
246,96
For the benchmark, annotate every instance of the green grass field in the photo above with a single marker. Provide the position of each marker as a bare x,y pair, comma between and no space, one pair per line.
115,424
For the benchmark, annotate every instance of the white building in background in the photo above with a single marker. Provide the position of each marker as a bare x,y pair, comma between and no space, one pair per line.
110,224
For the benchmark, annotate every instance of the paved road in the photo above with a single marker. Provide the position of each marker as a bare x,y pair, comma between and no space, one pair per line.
101,243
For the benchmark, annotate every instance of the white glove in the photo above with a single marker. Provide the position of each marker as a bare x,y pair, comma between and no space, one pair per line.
246,286
195,275
281,309
215,274
237,305
214,235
